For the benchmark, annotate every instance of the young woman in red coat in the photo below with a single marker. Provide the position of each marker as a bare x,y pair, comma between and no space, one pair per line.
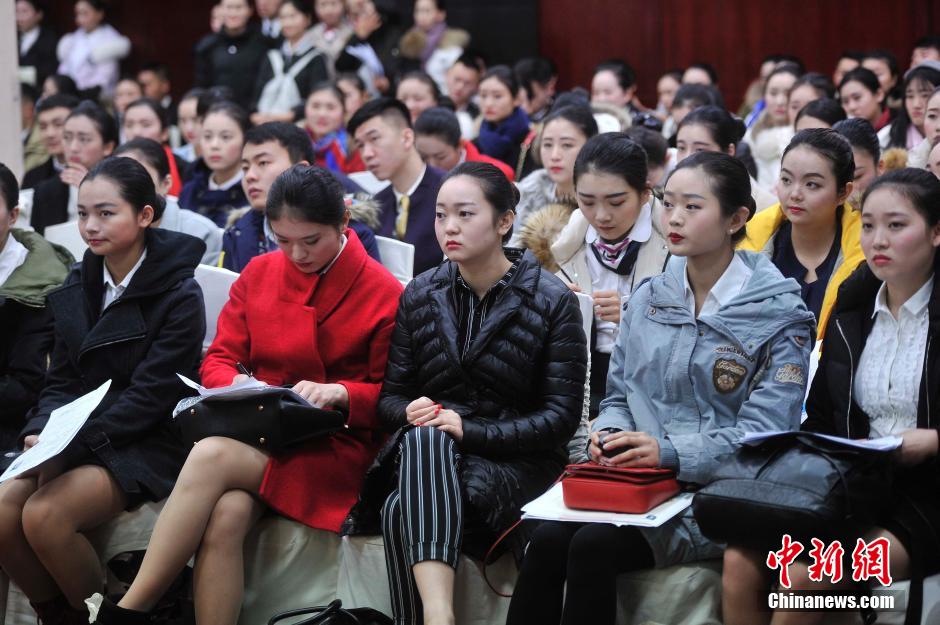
318,314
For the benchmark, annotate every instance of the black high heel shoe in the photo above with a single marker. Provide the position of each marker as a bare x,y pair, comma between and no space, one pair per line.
110,613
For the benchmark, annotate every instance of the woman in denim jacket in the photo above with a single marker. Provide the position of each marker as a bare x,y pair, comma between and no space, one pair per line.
716,346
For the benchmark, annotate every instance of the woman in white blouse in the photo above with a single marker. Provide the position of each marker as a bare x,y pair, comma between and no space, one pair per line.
879,376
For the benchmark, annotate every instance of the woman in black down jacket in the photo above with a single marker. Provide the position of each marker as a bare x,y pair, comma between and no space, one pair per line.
484,386
131,313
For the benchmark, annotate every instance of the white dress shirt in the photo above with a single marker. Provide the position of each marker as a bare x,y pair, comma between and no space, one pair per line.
728,286
113,291
887,385
11,258
27,40
228,184
603,278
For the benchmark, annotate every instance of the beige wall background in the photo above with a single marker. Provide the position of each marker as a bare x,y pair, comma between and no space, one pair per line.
11,147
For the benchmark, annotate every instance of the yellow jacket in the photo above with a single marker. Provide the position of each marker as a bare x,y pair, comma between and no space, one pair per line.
762,229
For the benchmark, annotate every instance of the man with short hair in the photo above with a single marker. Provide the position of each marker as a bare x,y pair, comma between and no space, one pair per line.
154,79
51,113
437,137
386,141
270,150
462,81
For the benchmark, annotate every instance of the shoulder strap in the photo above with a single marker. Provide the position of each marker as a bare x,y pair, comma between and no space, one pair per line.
277,62
304,61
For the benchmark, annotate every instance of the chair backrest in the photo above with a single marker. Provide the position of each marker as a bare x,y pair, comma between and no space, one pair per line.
586,302
368,181
398,257
215,283
67,236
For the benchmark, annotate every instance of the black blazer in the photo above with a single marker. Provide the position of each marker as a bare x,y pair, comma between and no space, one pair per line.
39,174
230,61
42,55
154,330
50,204
519,388
420,230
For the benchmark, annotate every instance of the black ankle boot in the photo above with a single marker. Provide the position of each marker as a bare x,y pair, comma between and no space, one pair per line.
58,612
111,614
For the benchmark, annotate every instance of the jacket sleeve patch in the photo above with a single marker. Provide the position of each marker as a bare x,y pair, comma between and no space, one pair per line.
790,374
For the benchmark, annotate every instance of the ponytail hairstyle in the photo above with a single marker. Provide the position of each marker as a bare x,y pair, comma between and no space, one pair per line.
233,111
728,180
827,110
918,186
625,75
504,75
501,194
861,136
864,77
820,83
614,154
154,106
148,150
308,193
833,147
134,184
725,129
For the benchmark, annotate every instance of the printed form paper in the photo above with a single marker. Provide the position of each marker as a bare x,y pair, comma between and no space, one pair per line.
64,424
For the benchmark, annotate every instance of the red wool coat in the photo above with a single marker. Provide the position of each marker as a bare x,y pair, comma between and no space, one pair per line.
287,326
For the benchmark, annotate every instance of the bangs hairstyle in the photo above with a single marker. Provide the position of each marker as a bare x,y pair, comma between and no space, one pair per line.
148,150
614,154
861,135
102,121
918,186
308,193
728,179
134,184
833,147
499,193
289,136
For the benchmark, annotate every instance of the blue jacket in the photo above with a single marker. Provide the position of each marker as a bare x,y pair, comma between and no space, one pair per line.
246,239
216,205
697,385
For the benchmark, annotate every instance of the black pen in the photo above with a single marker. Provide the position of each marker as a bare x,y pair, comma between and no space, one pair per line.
242,370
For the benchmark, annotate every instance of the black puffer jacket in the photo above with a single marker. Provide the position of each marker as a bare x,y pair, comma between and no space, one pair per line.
519,389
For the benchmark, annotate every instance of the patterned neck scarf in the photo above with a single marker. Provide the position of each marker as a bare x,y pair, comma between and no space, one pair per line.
618,257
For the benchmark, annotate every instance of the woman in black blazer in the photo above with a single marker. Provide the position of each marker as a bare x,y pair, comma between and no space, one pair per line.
41,48
131,313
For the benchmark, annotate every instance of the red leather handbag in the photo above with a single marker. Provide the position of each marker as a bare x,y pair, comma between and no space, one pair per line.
592,486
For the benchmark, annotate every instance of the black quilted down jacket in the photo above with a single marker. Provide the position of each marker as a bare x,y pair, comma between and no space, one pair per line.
519,389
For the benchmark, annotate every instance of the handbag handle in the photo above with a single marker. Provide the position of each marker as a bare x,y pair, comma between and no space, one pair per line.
323,613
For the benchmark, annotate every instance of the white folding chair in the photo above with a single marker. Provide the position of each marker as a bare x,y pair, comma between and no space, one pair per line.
586,302
367,180
398,257
67,236
215,283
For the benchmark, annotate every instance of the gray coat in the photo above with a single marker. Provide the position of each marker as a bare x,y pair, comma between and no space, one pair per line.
697,385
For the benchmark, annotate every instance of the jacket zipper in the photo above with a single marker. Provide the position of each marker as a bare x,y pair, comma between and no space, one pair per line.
848,408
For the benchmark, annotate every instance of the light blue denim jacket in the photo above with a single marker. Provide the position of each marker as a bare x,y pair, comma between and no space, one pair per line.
697,385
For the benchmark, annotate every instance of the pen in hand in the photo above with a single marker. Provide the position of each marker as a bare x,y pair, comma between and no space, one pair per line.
242,370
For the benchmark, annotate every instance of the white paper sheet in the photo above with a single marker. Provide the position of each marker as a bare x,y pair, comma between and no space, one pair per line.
251,387
885,443
64,423
551,507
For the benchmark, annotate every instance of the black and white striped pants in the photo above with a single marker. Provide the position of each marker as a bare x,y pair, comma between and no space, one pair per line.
423,519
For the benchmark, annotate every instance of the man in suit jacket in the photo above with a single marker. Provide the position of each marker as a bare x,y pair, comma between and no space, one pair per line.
385,139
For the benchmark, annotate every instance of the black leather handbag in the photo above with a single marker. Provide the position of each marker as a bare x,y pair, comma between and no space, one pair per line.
272,421
798,484
334,614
